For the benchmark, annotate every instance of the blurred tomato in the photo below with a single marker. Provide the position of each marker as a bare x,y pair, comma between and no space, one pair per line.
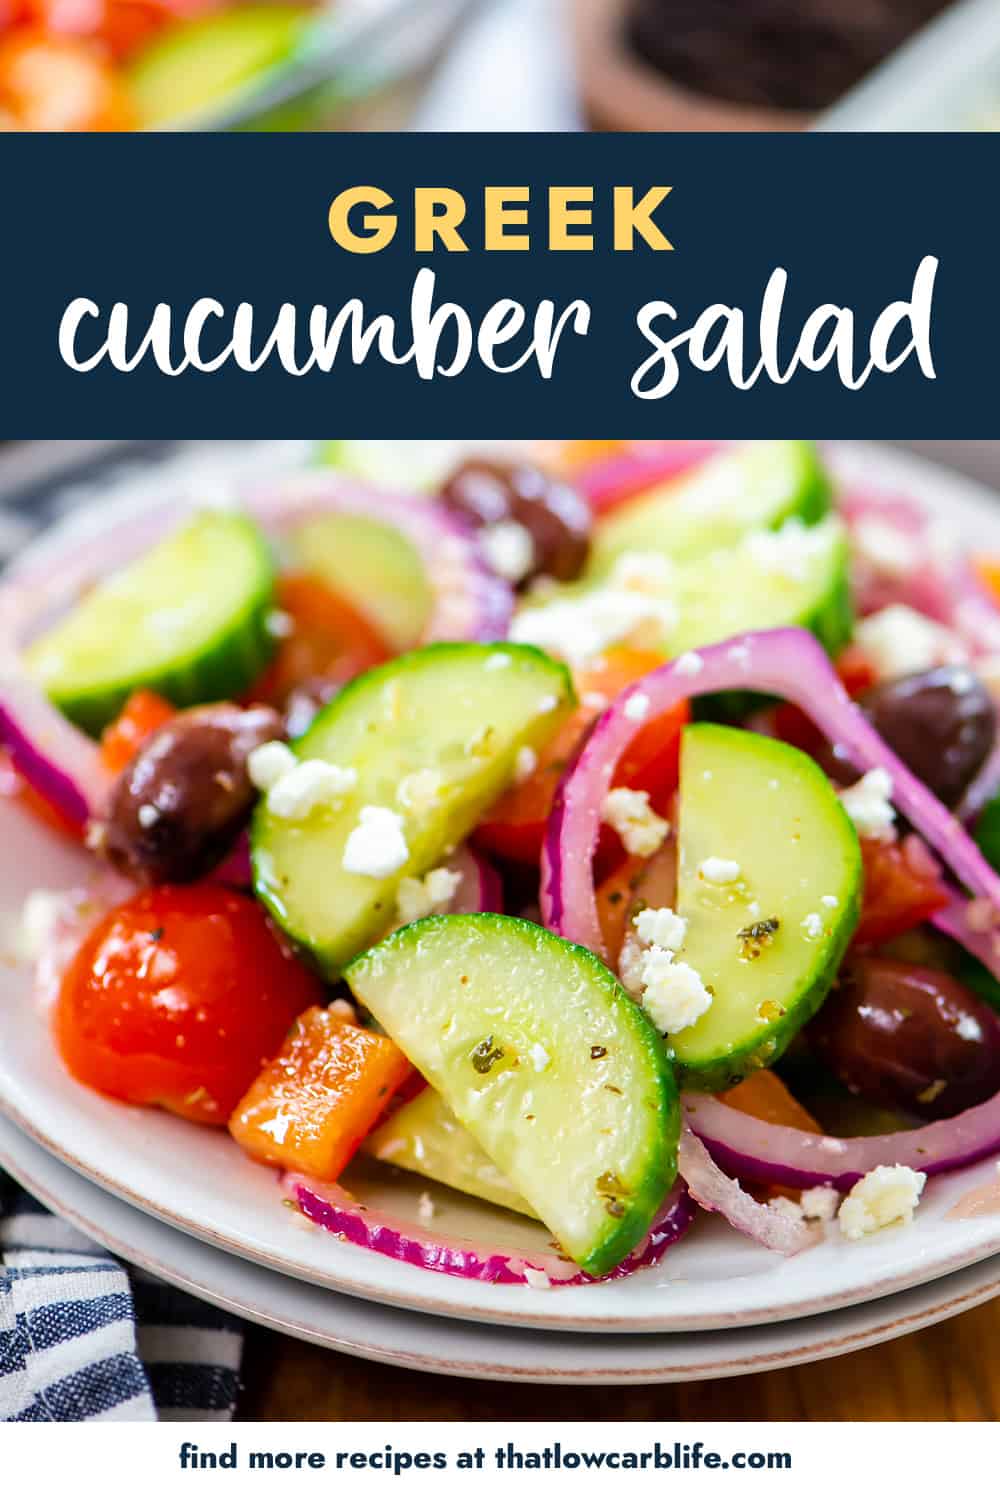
121,27
902,888
59,83
327,638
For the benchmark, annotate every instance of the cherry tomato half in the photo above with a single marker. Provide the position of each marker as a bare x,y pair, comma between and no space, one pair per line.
901,890
328,638
177,998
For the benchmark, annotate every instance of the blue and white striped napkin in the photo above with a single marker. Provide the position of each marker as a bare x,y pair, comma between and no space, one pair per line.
84,1338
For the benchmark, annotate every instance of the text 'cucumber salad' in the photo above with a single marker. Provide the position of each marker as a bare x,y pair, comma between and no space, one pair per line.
606,831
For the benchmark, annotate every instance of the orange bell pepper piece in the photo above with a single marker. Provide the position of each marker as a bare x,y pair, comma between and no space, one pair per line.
315,1102
765,1097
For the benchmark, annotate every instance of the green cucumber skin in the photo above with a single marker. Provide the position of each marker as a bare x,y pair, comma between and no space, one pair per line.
714,1075
831,622
664,1104
726,1073
810,503
323,959
225,670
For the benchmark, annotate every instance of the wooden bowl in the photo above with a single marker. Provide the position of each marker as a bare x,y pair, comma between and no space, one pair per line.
621,92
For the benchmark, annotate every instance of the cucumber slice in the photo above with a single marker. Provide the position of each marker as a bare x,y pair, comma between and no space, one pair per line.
374,566
404,464
424,1136
458,710
504,1020
188,619
797,576
197,65
770,808
761,485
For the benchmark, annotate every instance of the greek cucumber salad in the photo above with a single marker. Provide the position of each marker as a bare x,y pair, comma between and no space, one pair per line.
607,831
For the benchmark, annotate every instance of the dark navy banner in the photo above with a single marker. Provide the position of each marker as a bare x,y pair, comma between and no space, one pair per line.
428,285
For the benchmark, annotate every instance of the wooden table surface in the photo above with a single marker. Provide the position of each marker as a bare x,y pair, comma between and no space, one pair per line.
947,1373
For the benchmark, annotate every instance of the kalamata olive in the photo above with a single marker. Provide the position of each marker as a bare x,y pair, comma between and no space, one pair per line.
909,1037
492,494
180,802
941,723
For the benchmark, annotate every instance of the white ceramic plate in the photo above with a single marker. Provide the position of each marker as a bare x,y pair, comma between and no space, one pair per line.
448,1347
196,1180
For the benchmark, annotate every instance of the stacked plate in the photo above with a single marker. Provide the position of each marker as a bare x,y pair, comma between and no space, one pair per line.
186,1204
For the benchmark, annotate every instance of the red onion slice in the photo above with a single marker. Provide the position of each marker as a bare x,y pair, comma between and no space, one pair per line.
470,602
480,888
789,664
709,1186
53,756
983,942
638,467
433,1249
799,1158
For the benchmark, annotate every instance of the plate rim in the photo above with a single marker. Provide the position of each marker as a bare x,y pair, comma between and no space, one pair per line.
895,1316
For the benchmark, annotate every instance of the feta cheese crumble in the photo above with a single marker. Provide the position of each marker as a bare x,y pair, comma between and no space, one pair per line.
886,1196
820,1204
268,763
788,1209
421,898
719,871
376,846
637,707
525,763
509,548
867,804
660,925
578,629
899,640
539,1281
310,784
628,812
672,993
